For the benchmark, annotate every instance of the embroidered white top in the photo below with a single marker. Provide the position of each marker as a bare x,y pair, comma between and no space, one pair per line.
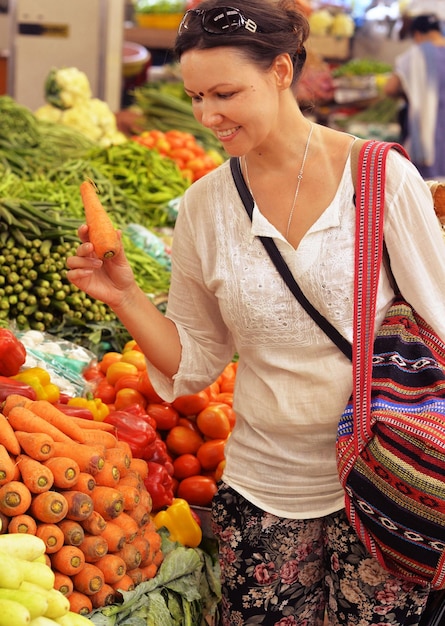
292,382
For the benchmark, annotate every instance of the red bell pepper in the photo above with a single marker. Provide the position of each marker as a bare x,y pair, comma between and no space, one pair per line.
12,353
75,411
133,429
159,485
10,386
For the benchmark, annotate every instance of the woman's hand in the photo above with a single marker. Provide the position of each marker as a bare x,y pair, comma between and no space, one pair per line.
109,281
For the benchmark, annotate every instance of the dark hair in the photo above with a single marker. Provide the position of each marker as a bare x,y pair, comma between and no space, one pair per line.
425,23
281,29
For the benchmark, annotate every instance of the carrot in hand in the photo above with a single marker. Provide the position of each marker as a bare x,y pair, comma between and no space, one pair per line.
38,446
101,231
36,476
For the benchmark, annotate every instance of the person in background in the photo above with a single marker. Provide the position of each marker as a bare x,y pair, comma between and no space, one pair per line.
288,553
419,77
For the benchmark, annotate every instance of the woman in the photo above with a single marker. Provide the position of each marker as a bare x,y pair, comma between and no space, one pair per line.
287,552
419,76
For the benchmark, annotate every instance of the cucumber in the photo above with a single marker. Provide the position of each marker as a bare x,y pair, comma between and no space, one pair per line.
13,613
73,619
22,546
11,572
42,621
38,573
58,604
36,603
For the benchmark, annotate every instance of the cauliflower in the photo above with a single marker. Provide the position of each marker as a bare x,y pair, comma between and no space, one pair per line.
320,22
70,102
67,87
342,25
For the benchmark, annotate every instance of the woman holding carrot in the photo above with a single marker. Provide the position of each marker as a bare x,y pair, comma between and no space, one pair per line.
287,550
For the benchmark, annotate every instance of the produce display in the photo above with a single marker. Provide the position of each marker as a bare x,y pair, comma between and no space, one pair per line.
27,586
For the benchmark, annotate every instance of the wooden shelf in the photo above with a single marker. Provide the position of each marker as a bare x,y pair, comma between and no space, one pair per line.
151,38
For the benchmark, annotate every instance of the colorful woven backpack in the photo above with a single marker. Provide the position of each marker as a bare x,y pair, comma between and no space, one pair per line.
391,438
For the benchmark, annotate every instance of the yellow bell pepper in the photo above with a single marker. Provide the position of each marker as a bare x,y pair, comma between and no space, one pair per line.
179,521
98,408
40,380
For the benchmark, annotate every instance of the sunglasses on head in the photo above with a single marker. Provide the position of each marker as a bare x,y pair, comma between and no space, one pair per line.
218,20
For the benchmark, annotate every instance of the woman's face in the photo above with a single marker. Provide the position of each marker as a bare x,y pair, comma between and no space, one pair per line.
233,97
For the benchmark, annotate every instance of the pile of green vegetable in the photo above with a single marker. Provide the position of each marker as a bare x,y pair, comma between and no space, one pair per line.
185,591
42,165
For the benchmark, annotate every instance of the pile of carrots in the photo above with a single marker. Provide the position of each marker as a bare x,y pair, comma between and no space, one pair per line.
72,483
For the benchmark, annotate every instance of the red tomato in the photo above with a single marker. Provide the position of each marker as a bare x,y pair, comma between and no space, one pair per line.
186,465
165,416
105,391
118,369
108,359
197,490
211,453
126,397
135,357
182,440
146,388
188,423
191,404
130,381
213,421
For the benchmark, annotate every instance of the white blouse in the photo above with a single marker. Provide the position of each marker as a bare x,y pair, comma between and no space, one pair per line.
292,382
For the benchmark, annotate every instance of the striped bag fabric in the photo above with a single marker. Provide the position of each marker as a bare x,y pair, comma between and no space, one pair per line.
391,437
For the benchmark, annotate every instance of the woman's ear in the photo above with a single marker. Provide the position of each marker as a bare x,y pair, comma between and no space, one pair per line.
284,70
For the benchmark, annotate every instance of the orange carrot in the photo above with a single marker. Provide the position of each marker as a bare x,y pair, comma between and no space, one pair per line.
68,560
145,499
101,231
93,547
96,437
80,603
63,583
128,525
149,571
108,501
124,584
79,505
38,446
89,580
7,466
65,471
136,575
132,497
114,536
22,418
90,459
85,482
140,514
52,535
94,524
50,507
13,400
119,458
130,555
73,533
143,545
109,475
36,476
140,466
92,424
8,437
56,418
104,597
112,566
133,479
22,524
15,498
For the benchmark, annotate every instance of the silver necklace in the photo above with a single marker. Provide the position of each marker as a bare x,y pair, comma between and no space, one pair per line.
299,178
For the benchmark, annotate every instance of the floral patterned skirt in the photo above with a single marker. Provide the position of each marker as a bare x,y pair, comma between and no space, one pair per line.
286,572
